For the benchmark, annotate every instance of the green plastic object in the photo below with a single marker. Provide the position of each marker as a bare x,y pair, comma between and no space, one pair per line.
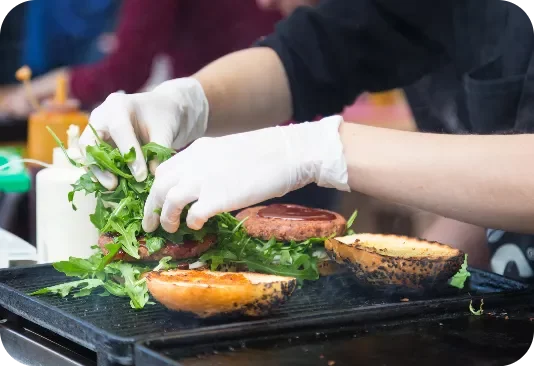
13,178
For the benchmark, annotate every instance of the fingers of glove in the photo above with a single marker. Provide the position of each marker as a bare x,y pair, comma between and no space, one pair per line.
163,137
212,200
225,193
125,138
161,186
175,201
152,206
153,166
107,179
122,132
201,211
88,138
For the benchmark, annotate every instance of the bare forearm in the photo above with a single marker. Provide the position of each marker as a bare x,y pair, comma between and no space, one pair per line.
248,88
483,180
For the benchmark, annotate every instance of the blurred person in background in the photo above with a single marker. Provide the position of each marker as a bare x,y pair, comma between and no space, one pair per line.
67,32
191,32
471,61
56,33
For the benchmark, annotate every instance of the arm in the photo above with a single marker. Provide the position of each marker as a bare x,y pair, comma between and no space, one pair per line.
320,59
482,180
233,97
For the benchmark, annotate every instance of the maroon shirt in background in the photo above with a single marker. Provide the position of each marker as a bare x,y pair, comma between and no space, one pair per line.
192,32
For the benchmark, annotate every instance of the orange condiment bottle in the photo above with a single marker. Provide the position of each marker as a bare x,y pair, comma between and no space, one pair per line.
58,114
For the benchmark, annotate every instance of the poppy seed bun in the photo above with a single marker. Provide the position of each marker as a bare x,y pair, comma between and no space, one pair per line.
207,294
385,260
286,229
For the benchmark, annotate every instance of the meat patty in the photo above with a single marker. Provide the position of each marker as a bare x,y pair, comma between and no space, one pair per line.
285,230
189,249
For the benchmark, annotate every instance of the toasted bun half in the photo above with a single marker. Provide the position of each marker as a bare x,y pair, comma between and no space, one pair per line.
329,268
385,260
207,294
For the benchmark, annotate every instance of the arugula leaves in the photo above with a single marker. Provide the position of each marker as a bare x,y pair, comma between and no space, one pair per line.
458,280
116,278
164,264
350,222
235,247
133,287
105,159
65,288
478,312
76,267
153,150
100,217
120,214
113,249
154,244
293,259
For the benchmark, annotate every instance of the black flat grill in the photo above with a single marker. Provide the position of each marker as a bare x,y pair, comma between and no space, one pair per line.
441,340
108,326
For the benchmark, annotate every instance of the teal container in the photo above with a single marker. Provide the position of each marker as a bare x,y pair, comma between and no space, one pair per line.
15,177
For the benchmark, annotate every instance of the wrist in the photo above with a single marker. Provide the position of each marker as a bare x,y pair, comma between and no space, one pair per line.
317,153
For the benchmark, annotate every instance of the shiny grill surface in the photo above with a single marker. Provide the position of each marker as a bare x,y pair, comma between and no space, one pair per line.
109,325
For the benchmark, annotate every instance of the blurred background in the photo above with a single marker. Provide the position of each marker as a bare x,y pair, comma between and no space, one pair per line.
81,51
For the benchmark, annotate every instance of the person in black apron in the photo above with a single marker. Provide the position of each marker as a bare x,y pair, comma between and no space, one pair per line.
466,66
495,96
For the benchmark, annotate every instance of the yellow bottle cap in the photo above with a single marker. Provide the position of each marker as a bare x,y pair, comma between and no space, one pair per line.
61,102
24,75
61,90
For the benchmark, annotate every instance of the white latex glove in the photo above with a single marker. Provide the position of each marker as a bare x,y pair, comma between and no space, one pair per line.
175,113
228,173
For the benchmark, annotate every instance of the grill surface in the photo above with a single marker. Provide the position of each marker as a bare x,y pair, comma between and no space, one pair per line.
449,339
110,327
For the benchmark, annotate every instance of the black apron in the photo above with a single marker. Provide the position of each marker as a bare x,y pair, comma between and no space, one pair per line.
487,88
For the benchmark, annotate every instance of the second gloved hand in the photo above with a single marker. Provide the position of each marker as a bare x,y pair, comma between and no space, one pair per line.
232,172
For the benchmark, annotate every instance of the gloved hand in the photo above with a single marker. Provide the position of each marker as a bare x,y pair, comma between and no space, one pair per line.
175,113
231,172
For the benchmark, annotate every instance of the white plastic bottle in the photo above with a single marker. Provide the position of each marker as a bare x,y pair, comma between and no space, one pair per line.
63,232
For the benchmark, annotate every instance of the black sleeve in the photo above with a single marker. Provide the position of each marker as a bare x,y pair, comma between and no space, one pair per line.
336,51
